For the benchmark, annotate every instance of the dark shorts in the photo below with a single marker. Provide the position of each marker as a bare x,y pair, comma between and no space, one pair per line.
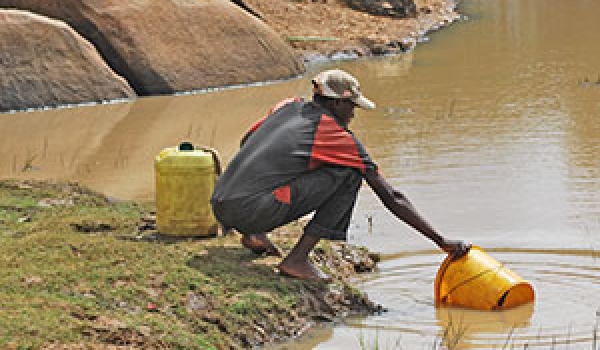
330,192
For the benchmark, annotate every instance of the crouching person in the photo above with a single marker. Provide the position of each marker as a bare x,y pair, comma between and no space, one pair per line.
302,158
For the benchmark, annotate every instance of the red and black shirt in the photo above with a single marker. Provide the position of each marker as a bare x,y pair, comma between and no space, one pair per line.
294,138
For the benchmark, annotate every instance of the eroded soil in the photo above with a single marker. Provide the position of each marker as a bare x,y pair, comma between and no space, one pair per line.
79,270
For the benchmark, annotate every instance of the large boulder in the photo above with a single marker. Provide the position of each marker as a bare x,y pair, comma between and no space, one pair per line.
165,46
44,62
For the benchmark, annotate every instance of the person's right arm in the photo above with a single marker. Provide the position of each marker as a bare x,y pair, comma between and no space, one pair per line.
401,207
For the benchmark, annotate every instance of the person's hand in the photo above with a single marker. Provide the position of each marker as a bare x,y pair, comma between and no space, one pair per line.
456,249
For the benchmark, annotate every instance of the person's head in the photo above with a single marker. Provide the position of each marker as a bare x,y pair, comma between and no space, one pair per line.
339,92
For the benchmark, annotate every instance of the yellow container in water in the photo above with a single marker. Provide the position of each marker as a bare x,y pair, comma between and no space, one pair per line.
185,180
478,281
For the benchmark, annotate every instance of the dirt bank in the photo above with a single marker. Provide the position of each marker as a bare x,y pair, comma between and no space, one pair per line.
329,28
80,271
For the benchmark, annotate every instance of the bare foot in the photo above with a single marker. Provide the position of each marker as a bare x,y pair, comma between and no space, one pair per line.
303,270
260,243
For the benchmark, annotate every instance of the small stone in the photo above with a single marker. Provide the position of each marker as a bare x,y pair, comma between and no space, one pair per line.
54,202
149,218
195,302
32,280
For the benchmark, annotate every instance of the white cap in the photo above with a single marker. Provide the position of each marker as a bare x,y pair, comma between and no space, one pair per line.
336,83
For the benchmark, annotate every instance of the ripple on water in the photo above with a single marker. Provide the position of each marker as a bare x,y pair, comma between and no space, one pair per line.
565,313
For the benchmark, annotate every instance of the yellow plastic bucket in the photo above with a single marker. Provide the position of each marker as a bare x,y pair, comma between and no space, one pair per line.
185,180
478,281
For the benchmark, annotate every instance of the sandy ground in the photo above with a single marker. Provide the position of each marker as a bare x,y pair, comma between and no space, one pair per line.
327,27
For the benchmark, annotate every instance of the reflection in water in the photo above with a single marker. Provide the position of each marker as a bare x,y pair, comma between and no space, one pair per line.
463,327
309,340
494,141
566,284
487,129
51,143
111,148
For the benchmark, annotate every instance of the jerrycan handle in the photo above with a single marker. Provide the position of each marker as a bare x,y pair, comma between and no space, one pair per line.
188,146
216,158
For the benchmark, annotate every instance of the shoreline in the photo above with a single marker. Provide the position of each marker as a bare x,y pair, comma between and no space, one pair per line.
392,48
96,273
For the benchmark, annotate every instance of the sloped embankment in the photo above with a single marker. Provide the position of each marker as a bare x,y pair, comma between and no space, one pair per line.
78,270
328,29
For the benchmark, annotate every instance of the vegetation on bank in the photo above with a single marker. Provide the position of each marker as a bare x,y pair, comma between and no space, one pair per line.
80,270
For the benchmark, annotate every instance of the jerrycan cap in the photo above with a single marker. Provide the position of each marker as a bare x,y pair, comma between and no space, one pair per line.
186,146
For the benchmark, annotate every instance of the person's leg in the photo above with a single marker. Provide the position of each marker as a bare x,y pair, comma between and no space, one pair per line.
331,192
253,217
297,264
259,243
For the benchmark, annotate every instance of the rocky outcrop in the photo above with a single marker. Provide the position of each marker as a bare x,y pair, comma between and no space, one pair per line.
165,46
333,30
390,8
44,62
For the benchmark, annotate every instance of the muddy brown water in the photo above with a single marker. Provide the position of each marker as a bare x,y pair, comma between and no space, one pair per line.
491,129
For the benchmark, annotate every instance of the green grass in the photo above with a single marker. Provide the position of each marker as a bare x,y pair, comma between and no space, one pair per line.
76,272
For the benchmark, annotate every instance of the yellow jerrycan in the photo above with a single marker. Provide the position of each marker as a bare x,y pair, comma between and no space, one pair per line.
185,180
478,281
